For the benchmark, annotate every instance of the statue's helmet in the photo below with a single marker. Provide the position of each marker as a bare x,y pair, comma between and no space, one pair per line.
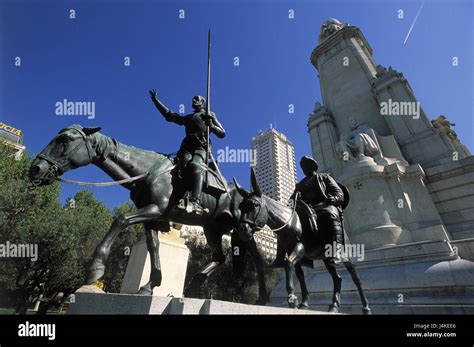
199,102
309,164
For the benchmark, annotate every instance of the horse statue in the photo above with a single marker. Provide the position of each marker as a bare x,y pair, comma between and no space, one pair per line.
296,243
156,190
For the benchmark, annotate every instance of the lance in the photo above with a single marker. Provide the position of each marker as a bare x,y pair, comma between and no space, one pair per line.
208,110
208,93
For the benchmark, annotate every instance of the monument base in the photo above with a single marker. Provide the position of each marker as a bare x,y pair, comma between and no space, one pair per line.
103,303
424,287
174,261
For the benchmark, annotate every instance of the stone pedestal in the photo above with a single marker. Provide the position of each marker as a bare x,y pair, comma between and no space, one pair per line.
451,186
403,285
174,261
95,303
390,205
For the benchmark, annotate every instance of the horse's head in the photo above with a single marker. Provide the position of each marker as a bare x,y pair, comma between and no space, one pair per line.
253,210
71,148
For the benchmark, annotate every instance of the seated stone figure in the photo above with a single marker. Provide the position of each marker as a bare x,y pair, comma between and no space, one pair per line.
444,125
329,27
357,143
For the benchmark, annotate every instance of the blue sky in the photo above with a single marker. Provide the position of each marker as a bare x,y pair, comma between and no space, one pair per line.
82,60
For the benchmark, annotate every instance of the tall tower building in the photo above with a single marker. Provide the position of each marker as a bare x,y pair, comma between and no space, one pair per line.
275,167
276,175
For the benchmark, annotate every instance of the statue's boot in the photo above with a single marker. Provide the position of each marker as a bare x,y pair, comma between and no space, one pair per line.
337,241
196,207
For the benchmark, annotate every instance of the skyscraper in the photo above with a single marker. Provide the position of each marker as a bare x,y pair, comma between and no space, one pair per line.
275,170
275,167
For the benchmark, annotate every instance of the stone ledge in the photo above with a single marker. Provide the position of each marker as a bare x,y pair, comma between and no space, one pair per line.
106,303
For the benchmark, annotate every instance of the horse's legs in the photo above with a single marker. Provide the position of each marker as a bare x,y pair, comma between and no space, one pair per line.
336,279
304,290
294,257
102,252
260,266
214,241
153,246
356,279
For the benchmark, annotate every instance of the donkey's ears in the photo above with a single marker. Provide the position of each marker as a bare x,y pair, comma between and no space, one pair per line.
239,188
90,131
255,188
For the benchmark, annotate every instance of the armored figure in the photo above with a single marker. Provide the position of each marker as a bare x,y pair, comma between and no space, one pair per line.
192,155
322,193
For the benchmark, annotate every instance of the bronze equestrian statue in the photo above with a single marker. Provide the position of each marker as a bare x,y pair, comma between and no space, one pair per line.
304,230
156,195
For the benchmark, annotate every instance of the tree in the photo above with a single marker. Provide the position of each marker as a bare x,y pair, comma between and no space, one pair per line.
21,210
64,237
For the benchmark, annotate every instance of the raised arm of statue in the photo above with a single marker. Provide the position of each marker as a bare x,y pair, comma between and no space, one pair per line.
165,111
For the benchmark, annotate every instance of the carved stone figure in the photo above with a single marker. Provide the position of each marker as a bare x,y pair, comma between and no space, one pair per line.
329,27
442,124
357,143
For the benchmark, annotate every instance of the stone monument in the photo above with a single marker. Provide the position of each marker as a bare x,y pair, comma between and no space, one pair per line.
411,183
174,262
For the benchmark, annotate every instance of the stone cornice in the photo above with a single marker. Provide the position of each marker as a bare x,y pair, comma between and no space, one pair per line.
388,78
346,32
315,119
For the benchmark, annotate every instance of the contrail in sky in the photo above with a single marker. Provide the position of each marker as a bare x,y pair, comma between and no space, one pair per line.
413,24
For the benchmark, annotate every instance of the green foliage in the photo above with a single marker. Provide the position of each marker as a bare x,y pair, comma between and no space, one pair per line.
65,237
223,284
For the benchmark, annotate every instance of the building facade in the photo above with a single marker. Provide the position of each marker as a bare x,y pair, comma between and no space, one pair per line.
275,165
13,138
